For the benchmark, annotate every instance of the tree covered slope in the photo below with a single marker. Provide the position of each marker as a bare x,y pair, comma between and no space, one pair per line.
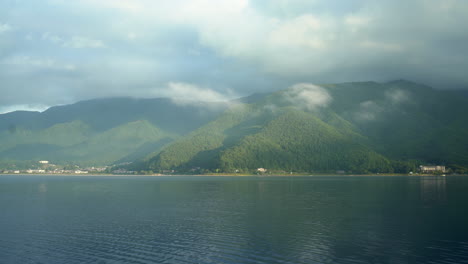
101,131
354,127
364,127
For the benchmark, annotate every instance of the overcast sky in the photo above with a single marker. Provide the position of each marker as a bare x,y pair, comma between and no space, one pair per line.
61,51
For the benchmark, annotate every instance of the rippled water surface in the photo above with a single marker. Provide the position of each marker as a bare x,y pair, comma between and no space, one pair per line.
54,219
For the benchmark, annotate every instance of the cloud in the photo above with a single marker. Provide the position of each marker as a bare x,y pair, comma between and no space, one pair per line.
368,111
355,23
25,107
23,62
123,5
323,43
271,108
303,31
308,96
76,42
186,93
81,42
382,46
4,28
290,46
397,96
53,38
98,48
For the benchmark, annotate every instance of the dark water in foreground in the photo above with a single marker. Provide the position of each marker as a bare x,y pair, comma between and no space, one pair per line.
53,219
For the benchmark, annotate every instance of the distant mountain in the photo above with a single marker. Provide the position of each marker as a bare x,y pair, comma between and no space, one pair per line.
103,114
100,131
361,127
10,121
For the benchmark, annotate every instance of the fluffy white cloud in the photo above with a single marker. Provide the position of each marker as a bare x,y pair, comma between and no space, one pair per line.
128,47
315,43
308,96
24,107
294,38
186,93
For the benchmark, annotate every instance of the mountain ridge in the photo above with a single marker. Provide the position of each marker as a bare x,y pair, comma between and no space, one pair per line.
364,127
393,124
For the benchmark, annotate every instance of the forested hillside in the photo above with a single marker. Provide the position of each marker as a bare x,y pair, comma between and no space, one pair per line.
101,131
352,127
364,127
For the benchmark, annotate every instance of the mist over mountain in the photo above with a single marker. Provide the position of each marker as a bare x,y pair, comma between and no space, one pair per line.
361,127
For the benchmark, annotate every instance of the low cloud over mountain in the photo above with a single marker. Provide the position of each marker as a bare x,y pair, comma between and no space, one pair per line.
55,52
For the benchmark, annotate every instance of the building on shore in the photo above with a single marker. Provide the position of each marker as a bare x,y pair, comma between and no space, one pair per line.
432,169
35,171
44,162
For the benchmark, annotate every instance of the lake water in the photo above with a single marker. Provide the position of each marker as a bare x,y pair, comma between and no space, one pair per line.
55,219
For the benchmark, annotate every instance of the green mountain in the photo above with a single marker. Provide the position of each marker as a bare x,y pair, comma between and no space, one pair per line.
364,127
104,114
101,131
353,127
405,120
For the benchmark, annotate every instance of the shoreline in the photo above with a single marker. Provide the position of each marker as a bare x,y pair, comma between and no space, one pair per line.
229,175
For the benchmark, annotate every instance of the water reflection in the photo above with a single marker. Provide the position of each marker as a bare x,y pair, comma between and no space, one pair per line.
232,220
42,188
433,189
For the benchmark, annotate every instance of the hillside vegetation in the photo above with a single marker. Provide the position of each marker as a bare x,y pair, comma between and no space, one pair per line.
364,127
351,127
99,132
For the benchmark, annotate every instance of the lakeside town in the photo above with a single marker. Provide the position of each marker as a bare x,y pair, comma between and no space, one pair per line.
46,167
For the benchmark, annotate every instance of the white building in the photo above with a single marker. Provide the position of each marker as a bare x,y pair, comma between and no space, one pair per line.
44,162
35,171
431,169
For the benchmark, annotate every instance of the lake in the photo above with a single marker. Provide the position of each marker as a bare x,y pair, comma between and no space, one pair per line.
72,219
